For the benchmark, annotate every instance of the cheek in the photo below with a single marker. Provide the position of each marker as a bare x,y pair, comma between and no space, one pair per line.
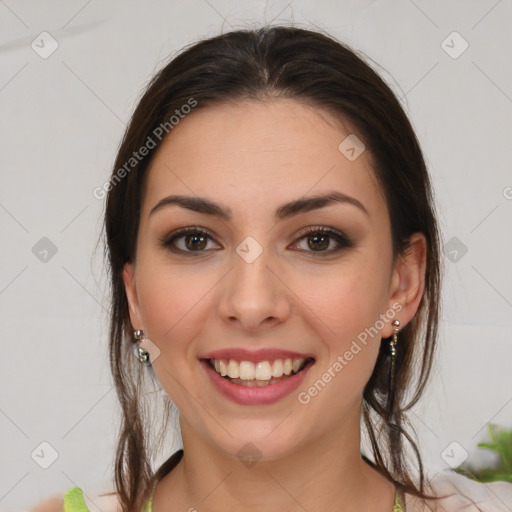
348,305
173,309
348,299
171,304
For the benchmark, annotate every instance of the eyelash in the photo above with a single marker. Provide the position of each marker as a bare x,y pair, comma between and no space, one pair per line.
343,241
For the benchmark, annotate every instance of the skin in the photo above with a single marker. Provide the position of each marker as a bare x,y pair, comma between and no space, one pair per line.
251,157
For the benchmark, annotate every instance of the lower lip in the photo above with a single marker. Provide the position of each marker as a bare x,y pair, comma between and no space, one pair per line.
255,395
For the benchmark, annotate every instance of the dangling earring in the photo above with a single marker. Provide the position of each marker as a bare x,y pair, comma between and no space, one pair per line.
391,377
141,353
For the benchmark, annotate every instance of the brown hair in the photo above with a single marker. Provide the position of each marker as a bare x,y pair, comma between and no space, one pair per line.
311,67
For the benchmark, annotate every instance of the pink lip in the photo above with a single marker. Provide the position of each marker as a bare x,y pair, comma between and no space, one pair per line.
264,354
255,395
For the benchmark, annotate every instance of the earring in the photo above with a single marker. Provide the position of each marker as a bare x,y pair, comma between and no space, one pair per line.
392,343
141,353
391,377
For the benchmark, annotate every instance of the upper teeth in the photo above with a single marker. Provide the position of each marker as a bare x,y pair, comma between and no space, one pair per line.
262,370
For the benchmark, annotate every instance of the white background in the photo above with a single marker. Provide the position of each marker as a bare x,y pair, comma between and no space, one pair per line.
62,120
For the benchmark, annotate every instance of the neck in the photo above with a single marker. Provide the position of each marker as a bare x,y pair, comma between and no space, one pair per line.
327,473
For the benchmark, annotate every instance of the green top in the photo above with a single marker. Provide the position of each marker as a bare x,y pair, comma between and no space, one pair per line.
74,502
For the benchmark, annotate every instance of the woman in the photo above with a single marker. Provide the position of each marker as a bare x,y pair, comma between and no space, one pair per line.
275,264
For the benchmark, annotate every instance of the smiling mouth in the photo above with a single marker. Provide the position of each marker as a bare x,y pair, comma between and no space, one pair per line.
259,374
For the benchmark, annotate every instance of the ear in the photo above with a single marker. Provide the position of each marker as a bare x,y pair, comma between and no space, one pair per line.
131,295
408,282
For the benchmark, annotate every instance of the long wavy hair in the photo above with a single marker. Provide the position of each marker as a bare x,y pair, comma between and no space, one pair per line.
311,67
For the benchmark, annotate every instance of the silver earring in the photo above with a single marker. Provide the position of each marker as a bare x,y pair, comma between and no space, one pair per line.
392,370
141,353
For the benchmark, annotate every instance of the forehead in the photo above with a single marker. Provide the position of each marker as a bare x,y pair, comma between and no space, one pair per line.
259,153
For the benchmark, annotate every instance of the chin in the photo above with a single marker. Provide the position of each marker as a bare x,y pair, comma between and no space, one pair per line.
256,446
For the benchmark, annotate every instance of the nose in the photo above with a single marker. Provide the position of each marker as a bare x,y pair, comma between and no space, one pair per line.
254,298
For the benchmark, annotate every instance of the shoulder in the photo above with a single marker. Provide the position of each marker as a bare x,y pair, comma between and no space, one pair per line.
76,500
457,492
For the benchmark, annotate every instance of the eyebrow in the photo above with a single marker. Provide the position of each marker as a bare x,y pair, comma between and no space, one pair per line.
302,205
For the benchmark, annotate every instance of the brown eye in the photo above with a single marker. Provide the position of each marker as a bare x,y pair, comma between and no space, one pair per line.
195,242
187,241
319,241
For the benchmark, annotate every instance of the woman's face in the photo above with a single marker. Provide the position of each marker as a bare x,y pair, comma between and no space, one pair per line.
259,281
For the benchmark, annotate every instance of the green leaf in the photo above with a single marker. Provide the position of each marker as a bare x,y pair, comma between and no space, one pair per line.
501,443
